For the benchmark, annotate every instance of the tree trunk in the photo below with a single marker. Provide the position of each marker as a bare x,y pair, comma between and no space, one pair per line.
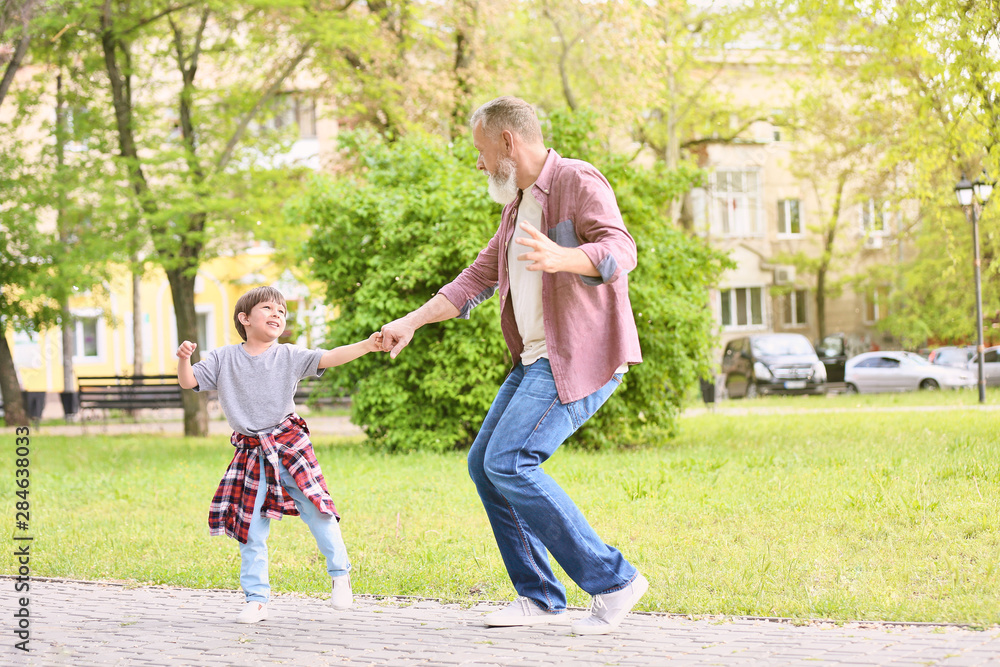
821,302
13,405
137,351
68,347
463,86
182,291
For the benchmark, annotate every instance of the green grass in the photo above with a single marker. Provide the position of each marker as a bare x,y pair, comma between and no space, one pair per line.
910,399
844,515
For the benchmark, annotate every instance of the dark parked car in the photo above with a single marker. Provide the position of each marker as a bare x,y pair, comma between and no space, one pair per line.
832,351
774,363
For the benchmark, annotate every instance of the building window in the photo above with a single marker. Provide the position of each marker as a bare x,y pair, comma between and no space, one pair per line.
78,123
736,203
742,307
873,218
876,304
205,318
789,217
794,308
294,110
203,332
88,338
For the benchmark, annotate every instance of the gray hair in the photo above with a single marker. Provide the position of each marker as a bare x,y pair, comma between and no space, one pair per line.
508,113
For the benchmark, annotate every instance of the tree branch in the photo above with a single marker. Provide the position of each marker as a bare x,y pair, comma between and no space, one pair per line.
724,139
269,94
155,17
14,64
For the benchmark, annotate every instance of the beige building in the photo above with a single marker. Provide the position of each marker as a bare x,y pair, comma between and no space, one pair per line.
759,207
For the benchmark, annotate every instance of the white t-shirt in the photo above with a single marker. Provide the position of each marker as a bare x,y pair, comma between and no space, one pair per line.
526,286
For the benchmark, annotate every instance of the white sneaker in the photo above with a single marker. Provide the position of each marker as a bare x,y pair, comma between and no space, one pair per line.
253,612
608,610
523,611
340,595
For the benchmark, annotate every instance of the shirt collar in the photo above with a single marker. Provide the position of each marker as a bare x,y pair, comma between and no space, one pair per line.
544,180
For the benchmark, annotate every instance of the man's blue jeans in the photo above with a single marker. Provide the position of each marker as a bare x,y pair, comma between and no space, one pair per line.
253,554
529,512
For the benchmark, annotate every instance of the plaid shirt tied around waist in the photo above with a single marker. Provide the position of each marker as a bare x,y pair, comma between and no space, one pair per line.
232,506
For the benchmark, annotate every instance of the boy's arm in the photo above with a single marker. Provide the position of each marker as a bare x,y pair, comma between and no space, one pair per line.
397,334
185,376
341,355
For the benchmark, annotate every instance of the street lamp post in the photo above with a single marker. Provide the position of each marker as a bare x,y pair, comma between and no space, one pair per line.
972,197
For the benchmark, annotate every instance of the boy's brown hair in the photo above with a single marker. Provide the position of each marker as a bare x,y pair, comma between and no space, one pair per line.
257,295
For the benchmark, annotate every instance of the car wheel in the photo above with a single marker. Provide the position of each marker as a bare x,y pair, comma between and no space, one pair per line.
850,389
751,390
929,385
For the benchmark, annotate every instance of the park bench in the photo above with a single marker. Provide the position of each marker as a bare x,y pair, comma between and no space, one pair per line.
129,392
310,394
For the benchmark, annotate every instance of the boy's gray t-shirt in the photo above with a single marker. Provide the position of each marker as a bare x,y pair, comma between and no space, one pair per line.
256,393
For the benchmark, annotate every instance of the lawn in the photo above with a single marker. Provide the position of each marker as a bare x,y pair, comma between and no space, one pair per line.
841,514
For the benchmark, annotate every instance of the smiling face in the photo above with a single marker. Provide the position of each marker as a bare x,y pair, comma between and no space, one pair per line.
265,322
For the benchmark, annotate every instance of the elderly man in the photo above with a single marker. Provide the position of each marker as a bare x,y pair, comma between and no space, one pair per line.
559,260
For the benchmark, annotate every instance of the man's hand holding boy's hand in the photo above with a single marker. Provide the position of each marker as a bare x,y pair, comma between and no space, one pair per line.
187,349
375,342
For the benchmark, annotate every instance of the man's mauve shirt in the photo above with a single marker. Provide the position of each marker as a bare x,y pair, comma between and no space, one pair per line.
589,328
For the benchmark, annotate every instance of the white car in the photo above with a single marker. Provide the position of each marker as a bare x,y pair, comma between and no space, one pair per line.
902,371
991,365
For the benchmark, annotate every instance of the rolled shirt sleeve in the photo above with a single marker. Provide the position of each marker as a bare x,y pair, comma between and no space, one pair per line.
599,224
478,282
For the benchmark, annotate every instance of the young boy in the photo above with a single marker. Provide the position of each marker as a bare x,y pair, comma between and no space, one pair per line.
274,470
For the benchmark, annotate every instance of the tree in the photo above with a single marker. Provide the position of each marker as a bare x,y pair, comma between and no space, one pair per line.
936,63
413,214
211,174
41,268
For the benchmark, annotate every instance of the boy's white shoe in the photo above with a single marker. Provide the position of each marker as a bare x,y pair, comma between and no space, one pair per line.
608,610
253,612
340,595
522,611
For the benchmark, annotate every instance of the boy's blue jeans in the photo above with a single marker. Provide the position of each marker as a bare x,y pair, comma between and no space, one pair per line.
529,512
324,527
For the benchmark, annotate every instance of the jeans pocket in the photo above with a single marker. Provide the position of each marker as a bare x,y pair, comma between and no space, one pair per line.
582,410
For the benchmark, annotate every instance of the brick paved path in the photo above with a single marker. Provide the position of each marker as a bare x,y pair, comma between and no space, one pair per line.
80,624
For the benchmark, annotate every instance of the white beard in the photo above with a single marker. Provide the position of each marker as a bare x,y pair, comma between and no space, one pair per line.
503,182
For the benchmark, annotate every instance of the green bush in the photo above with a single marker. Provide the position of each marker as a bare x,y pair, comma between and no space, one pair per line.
411,215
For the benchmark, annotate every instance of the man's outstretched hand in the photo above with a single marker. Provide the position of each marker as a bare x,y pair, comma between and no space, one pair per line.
396,335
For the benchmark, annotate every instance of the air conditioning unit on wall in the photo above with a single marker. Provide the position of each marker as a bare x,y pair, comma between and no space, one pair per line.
873,242
784,275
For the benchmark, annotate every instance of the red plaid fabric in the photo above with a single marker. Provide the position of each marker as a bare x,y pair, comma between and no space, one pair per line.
232,506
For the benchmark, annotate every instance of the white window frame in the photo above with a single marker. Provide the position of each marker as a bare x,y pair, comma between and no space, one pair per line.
791,316
744,200
208,335
293,108
100,335
733,314
871,298
784,218
871,211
